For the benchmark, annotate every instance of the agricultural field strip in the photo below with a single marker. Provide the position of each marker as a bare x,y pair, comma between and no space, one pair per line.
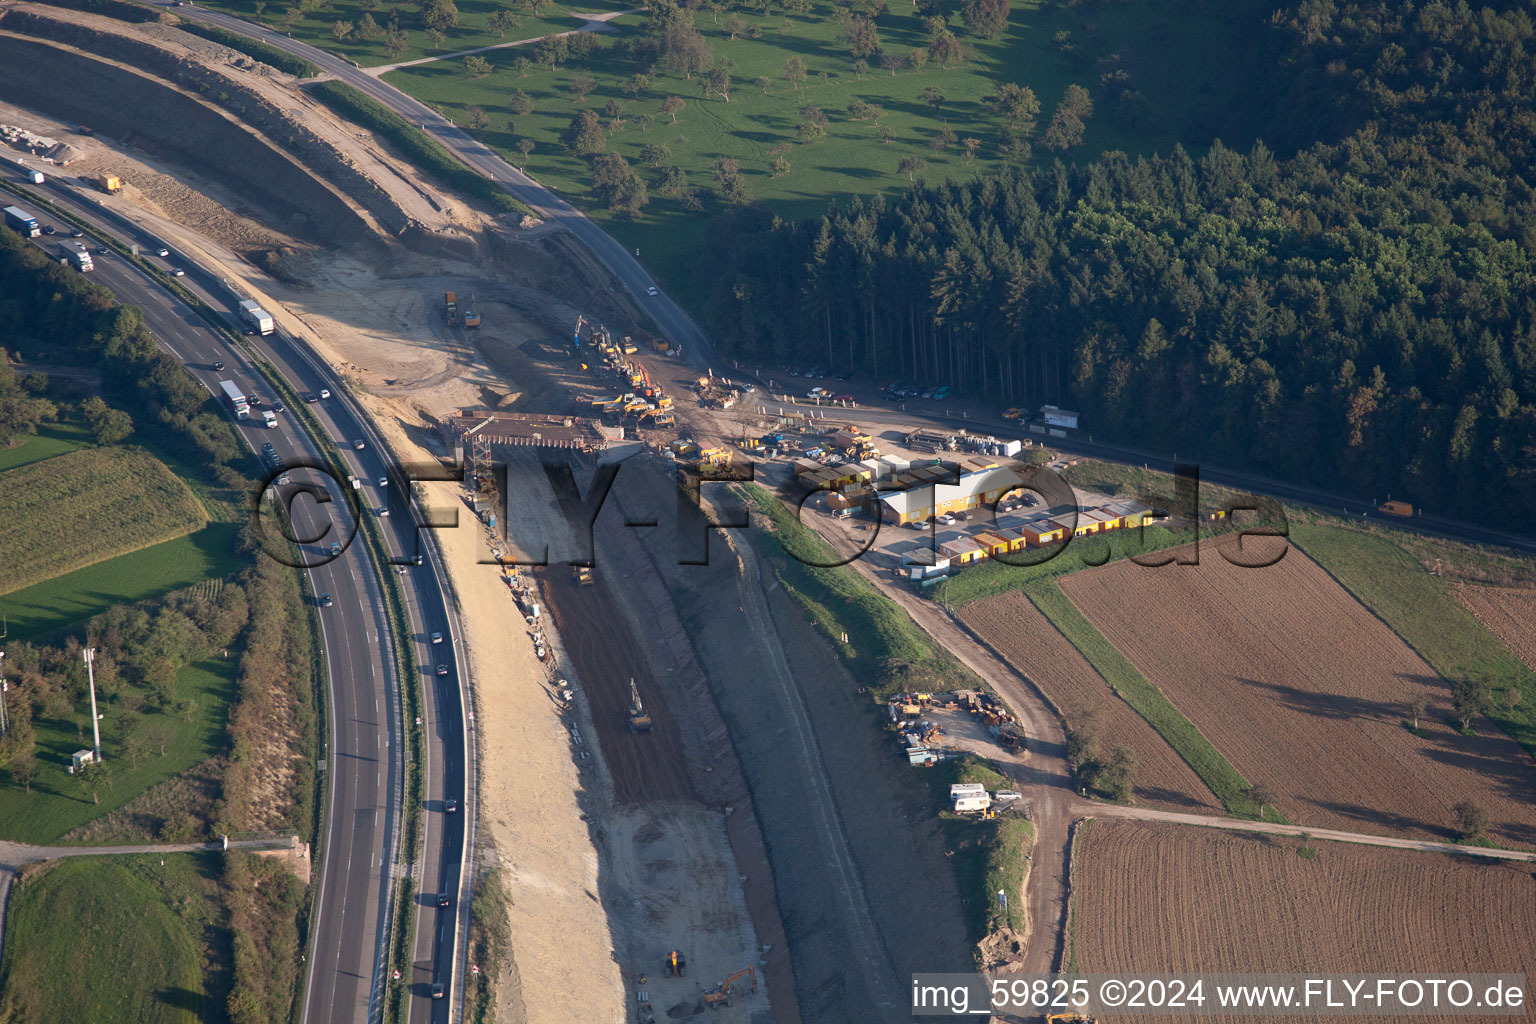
1012,625
1308,692
1302,832
1148,895
118,500
1509,613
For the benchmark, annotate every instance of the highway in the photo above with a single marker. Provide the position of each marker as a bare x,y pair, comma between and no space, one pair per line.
346,974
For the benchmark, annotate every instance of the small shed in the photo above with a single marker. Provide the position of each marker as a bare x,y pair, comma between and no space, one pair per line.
962,550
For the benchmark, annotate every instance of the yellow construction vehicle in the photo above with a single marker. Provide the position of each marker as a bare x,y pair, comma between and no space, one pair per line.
676,964
722,995
471,313
451,305
583,574
639,718
108,183
1071,1018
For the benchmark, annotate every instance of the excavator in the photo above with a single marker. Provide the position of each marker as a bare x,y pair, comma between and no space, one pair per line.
722,995
639,718
676,964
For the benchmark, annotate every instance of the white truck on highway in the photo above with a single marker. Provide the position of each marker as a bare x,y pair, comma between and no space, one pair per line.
269,418
258,318
77,258
20,220
236,399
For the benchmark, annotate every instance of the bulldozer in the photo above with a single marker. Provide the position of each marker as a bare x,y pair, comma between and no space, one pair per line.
583,574
721,996
639,718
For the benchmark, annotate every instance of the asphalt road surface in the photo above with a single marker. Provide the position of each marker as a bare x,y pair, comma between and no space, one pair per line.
347,977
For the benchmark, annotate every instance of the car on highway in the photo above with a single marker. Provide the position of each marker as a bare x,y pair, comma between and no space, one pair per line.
383,513
178,272
437,638
652,291
218,364
451,806
943,392
325,393
437,990
358,445
277,406
442,670
162,251
310,396
335,547
383,481
817,393
326,601
47,229
77,233
445,899
844,397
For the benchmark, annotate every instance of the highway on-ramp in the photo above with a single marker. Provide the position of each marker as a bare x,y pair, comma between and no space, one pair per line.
346,977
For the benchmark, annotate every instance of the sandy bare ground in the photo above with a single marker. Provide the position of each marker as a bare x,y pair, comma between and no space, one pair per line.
531,791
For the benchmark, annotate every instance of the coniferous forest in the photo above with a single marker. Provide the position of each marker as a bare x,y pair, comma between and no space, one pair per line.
1348,301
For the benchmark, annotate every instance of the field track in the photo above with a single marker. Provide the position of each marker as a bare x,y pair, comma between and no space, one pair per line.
1152,898
1509,613
1033,645
1305,691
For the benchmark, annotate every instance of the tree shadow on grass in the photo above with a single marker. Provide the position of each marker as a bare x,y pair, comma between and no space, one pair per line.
181,999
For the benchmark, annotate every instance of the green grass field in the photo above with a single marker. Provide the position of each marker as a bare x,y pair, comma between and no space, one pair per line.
1425,611
1198,99
85,507
112,941
51,439
60,802
46,608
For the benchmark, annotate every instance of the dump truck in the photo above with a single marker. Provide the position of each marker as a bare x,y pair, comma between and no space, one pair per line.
108,183
21,221
259,319
471,313
451,304
660,344
1398,508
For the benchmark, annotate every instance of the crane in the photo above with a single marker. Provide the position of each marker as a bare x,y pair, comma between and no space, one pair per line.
639,719
722,995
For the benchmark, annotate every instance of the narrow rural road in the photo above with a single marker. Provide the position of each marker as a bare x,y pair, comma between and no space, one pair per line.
1086,808
590,23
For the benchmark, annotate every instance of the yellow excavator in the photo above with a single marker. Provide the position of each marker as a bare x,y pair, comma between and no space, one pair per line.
639,718
722,995
1071,1018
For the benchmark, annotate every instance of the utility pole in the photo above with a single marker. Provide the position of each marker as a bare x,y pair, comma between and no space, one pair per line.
89,654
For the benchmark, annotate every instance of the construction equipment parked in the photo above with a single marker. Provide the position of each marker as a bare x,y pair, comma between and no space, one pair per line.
584,575
451,304
722,995
639,718
676,964
471,313
108,183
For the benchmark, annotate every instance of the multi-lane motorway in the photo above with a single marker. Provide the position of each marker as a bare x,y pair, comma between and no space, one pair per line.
346,977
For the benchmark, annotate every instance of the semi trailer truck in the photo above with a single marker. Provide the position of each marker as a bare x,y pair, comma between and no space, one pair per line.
21,221
259,319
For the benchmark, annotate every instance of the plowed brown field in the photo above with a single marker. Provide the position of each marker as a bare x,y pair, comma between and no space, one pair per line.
1510,613
1026,638
1305,691
1152,898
